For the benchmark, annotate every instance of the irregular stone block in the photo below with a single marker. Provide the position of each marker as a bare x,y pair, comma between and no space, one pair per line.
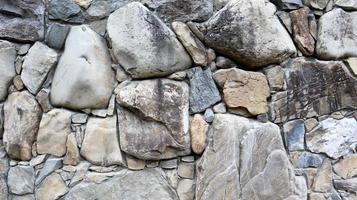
52,163
288,4
294,132
198,130
21,180
63,10
4,168
72,154
56,35
159,129
7,67
323,179
186,189
52,187
347,4
347,167
160,52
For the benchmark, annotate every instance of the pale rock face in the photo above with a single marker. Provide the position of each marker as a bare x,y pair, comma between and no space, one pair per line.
21,180
72,154
38,62
52,134
249,33
160,52
347,4
333,137
83,78
347,167
337,35
4,167
323,178
198,130
52,187
186,189
22,118
139,185
243,89
100,145
7,68
154,124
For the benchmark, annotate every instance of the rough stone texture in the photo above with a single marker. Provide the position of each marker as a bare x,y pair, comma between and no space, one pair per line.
22,118
294,132
186,170
249,33
22,20
347,167
198,132
7,67
318,4
1,120
140,185
240,162
38,62
244,90
186,189
4,167
288,4
134,164
352,63
335,138
347,4
63,9
307,159
337,34
160,52
191,43
72,154
83,3
100,145
314,88
52,187
349,185
323,178
203,90
160,130
83,78
52,134
21,180
275,77
56,35
52,163
43,98
301,31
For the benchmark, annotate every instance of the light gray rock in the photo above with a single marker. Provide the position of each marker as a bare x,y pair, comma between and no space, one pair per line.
52,163
209,115
318,4
79,118
83,78
4,167
160,52
346,167
244,159
7,68
335,138
220,108
347,4
169,164
294,132
203,90
159,129
249,33
56,35
186,170
275,77
288,4
22,197
21,180
72,155
336,35
52,134
22,20
1,120
139,185
101,145
38,62
52,187
186,189
22,118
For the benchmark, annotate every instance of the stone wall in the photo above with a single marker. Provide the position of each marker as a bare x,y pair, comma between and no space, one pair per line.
178,100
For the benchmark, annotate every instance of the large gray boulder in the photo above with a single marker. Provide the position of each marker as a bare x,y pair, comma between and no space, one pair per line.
337,32
153,119
22,20
7,67
143,44
245,159
148,184
83,78
22,118
249,33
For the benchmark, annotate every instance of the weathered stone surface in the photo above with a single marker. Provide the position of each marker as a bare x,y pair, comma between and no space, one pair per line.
22,118
288,4
352,63
52,134
1,120
336,34
21,180
72,154
198,130
22,20
186,170
191,43
52,187
186,189
139,185
347,167
244,90
134,164
83,3
349,185
275,77
294,132
335,138
323,178
52,163
160,52
301,31
83,78
159,130
347,4
38,62
4,167
314,88
43,98
203,90
7,68
22,197
307,159
318,4
249,33
244,159
63,9
100,145
56,35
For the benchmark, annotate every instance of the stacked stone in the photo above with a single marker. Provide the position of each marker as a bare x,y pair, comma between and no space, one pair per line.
178,99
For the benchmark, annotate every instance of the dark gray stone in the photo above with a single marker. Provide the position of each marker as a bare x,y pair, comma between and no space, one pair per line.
294,132
263,117
22,20
66,10
308,159
225,63
349,185
203,91
209,115
56,35
288,4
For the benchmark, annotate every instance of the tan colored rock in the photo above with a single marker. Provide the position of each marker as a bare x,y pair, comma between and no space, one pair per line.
310,174
199,128
186,170
51,188
317,196
347,167
243,89
134,163
83,3
52,134
72,154
323,179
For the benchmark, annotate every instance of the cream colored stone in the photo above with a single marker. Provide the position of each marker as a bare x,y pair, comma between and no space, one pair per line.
199,128
347,167
72,155
352,62
323,179
134,163
51,188
83,3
